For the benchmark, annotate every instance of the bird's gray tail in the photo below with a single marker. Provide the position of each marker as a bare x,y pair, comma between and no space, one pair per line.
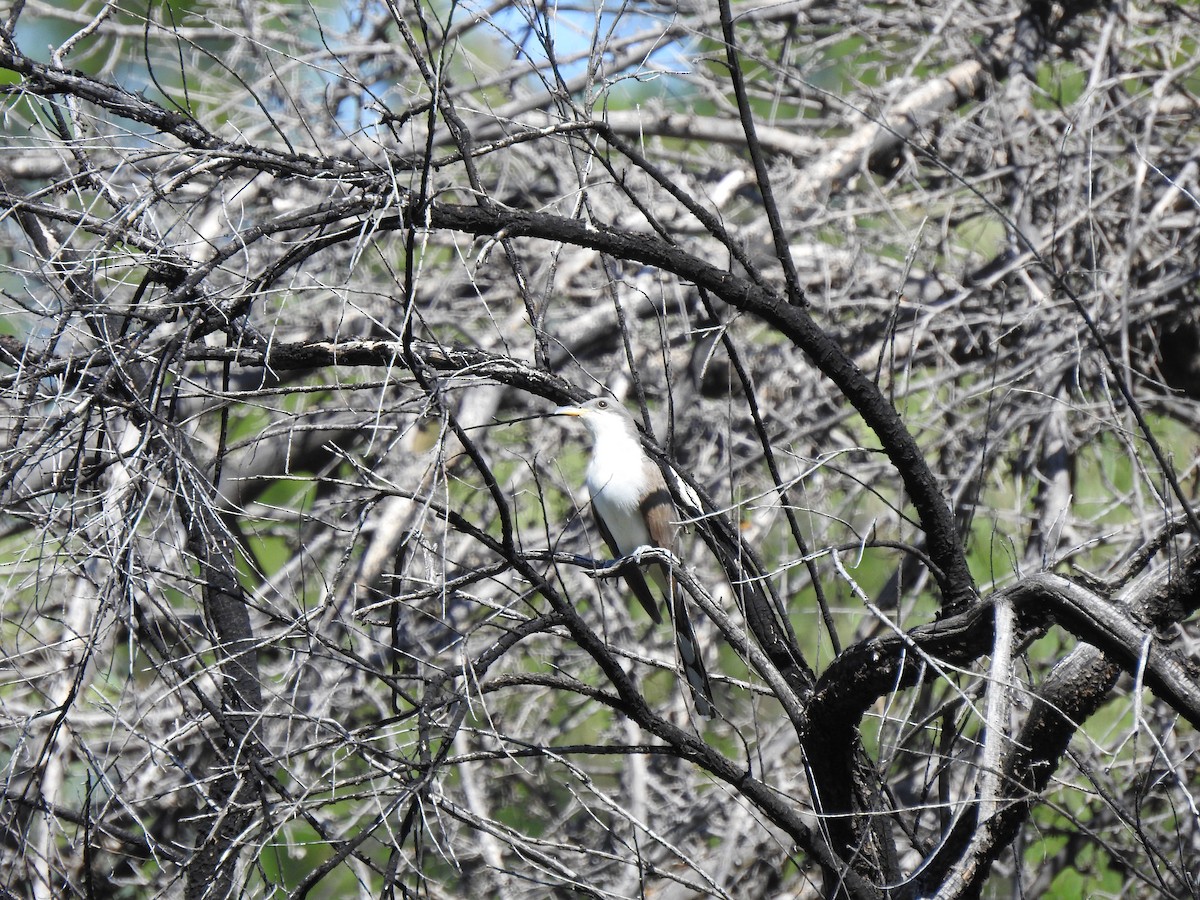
691,657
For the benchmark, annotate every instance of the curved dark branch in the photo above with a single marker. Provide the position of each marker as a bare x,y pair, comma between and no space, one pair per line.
944,545
873,668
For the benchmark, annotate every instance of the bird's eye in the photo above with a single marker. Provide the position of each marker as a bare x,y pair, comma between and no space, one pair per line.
602,404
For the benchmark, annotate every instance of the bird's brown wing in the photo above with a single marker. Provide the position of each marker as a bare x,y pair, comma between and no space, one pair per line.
659,512
633,575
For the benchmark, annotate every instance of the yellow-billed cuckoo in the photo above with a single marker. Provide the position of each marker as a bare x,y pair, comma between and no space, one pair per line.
633,509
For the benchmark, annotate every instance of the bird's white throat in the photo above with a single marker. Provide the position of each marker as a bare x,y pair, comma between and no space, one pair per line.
616,475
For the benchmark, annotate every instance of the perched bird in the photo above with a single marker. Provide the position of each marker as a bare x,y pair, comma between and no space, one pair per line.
633,508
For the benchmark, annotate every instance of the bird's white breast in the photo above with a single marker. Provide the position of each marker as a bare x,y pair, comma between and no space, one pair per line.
616,481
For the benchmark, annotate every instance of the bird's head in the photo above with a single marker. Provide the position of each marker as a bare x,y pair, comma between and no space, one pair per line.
601,415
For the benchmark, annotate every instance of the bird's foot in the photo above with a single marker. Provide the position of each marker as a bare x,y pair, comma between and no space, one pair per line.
641,551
